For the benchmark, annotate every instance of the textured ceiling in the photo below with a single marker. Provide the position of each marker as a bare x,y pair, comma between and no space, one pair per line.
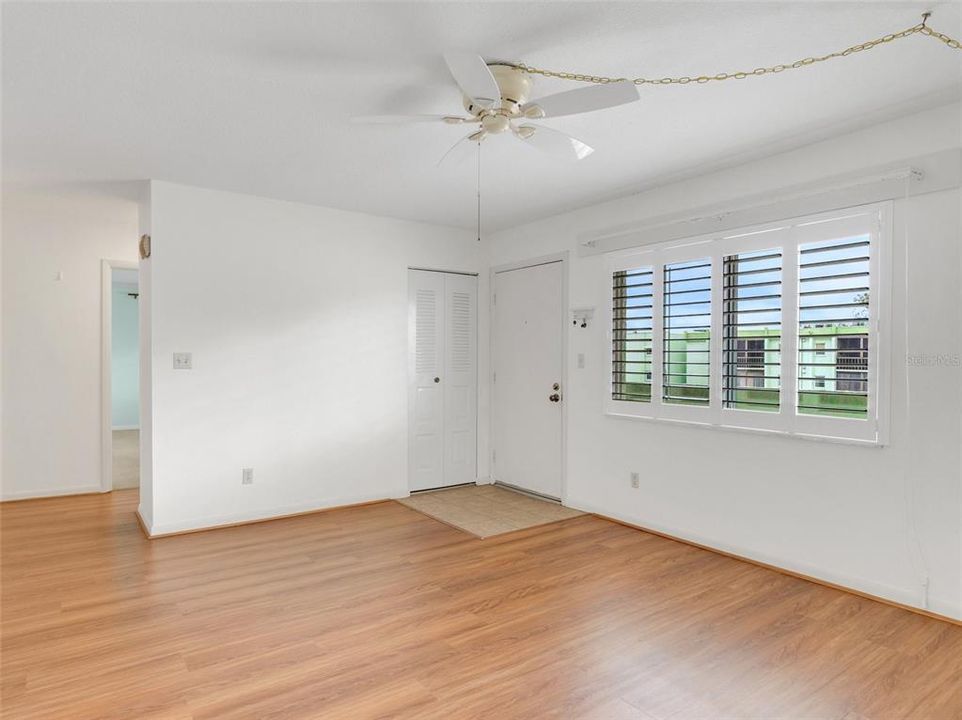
256,98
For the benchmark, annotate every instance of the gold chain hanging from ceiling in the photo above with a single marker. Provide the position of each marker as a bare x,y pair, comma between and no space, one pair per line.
920,29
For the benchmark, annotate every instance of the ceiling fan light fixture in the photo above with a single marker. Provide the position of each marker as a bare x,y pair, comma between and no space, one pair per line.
477,136
494,124
533,112
525,131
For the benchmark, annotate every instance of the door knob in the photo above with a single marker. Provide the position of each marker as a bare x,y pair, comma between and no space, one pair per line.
437,380
554,397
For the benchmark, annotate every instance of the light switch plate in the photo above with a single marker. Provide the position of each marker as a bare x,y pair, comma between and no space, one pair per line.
182,361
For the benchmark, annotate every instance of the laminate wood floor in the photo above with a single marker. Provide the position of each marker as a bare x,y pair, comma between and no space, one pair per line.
379,611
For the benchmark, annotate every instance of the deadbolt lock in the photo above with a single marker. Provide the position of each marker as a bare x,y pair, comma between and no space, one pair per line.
556,386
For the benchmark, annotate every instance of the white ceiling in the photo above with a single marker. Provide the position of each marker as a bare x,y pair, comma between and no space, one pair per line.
256,98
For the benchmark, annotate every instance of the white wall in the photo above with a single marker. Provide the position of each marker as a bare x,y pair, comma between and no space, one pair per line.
51,334
297,320
837,512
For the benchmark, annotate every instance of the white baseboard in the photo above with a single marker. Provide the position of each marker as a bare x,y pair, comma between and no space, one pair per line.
946,607
901,595
50,492
156,530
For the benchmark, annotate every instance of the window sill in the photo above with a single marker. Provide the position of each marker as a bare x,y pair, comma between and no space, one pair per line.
876,443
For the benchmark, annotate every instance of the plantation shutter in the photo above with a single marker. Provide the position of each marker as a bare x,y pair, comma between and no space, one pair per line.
752,330
687,333
632,303
833,327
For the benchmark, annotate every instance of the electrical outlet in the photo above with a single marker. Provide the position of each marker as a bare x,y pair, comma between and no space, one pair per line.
247,476
635,480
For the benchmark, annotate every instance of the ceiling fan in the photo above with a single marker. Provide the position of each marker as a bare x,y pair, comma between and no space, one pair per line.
496,98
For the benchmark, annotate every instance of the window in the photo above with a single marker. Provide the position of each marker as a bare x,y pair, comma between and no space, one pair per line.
853,352
772,328
687,333
750,354
852,365
851,382
752,326
631,332
833,305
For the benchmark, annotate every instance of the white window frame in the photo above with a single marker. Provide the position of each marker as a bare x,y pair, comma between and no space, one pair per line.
787,235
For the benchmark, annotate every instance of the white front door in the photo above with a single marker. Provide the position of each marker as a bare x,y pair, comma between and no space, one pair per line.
442,322
528,333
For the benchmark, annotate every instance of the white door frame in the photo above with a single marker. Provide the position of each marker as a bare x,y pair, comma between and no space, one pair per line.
561,257
477,382
106,401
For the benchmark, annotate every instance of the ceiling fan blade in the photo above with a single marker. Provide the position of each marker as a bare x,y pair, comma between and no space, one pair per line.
407,119
460,151
586,99
553,142
474,78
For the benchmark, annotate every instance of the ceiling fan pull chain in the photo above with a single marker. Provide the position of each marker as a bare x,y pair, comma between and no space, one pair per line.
479,191
922,28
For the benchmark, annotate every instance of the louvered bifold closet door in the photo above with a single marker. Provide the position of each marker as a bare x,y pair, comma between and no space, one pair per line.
426,363
459,382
